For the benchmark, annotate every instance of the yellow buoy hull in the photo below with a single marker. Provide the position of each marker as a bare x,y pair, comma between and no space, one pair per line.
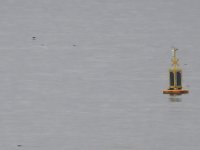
175,91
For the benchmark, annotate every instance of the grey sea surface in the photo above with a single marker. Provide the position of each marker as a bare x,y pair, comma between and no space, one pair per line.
89,74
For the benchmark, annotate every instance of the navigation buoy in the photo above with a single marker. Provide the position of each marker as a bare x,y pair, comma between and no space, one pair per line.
175,77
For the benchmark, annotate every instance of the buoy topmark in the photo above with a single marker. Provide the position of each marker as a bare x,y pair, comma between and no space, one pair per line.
175,77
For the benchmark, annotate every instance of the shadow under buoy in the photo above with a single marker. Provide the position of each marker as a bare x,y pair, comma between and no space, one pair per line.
175,98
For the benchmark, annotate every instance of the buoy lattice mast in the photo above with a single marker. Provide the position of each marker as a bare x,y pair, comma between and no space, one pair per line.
175,73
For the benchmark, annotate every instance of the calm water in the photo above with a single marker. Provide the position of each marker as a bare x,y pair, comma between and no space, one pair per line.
93,77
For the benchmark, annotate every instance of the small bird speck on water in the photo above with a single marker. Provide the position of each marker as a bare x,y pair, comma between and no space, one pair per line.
74,45
33,38
19,145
